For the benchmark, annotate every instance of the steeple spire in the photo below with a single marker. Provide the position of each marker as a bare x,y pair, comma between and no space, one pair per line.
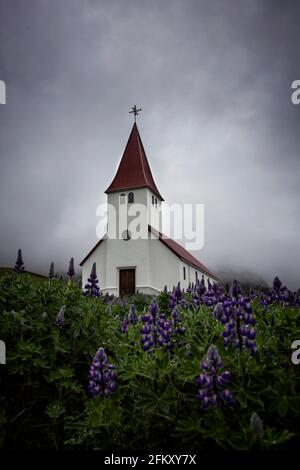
134,170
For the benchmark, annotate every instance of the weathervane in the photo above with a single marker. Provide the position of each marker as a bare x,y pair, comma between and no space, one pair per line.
135,111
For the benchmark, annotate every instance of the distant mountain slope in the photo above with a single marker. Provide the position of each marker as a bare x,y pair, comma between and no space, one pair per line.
247,279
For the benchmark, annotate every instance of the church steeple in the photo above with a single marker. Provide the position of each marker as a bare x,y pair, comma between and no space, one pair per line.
134,170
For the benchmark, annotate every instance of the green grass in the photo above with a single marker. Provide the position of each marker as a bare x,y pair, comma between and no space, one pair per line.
34,276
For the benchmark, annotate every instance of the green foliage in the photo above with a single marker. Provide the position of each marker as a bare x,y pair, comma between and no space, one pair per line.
43,399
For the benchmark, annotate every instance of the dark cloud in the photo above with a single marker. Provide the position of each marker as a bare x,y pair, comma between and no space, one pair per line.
213,78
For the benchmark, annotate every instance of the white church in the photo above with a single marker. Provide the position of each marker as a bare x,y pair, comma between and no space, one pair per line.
125,263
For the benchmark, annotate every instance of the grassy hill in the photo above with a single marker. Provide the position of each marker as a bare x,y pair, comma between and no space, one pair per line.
34,276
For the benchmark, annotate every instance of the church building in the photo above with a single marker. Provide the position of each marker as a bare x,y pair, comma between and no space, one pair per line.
126,263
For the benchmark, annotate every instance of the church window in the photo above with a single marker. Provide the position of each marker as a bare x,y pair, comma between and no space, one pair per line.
153,200
196,276
130,198
122,198
184,272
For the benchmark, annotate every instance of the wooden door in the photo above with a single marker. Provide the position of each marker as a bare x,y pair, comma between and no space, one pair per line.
127,282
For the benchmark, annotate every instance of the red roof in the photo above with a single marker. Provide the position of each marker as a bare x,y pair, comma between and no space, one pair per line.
134,170
181,252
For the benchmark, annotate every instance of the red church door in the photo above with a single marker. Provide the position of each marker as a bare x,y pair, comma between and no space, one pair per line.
127,282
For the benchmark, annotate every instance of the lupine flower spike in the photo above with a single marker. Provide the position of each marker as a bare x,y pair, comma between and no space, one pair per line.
102,376
157,329
236,315
71,271
213,382
19,266
51,271
91,288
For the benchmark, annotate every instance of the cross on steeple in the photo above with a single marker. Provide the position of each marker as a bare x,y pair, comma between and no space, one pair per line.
135,111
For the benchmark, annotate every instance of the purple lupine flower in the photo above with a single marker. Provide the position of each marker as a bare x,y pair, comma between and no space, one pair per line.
297,298
158,330
124,327
201,287
178,293
236,289
51,274
71,271
91,288
177,296
277,283
153,307
164,330
279,294
218,311
213,381
236,316
132,316
183,303
176,320
19,266
102,376
148,331
60,319
202,295
189,289
171,301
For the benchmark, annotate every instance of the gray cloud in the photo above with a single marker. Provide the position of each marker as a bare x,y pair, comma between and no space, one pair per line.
213,78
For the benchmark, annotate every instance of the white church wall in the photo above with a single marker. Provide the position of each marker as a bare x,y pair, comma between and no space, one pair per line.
164,266
184,283
143,196
122,210
154,211
132,254
190,275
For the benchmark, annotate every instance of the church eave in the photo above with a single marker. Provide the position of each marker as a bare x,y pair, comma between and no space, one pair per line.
132,188
92,251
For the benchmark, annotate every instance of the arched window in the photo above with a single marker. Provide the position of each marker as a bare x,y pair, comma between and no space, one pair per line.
130,198
184,272
122,198
153,200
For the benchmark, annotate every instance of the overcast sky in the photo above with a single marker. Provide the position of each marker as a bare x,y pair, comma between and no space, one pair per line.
214,80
